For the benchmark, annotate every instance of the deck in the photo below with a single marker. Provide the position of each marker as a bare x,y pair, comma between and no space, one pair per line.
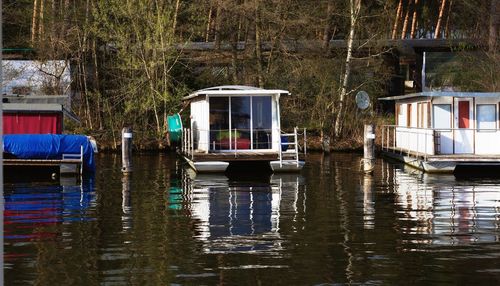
236,156
445,163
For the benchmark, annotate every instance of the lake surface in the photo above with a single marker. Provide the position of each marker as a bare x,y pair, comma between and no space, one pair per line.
329,225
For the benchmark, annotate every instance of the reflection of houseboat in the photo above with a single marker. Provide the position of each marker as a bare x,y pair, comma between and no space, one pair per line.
237,216
438,131
437,210
238,124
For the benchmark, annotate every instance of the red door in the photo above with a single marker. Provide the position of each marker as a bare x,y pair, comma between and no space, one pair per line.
463,114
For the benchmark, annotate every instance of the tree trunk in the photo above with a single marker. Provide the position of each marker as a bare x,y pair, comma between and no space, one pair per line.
494,22
446,28
414,20
34,22
40,22
258,47
209,22
218,23
396,21
405,23
440,17
176,12
327,30
355,7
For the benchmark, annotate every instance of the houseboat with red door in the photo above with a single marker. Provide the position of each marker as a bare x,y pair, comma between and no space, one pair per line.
437,131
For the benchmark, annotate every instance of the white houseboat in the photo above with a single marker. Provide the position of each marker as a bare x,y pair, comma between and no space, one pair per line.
230,124
438,131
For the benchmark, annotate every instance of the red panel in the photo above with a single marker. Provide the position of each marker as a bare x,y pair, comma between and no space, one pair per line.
29,123
463,114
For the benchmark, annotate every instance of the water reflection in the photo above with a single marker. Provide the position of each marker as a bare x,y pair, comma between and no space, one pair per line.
440,210
237,216
33,212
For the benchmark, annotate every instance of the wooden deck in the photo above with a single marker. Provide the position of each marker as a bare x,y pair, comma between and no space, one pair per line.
39,162
235,156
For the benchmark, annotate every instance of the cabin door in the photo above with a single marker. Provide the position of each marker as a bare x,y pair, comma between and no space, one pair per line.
464,132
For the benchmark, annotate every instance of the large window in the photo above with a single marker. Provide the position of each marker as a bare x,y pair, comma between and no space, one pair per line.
486,116
442,116
262,122
240,122
219,123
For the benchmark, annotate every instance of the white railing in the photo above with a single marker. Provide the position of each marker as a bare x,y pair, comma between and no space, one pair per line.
413,141
431,141
295,144
187,145
232,140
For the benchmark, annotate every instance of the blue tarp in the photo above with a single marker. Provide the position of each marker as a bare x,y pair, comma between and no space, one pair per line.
49,146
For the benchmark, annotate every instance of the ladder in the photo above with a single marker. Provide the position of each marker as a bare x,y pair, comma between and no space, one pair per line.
289,153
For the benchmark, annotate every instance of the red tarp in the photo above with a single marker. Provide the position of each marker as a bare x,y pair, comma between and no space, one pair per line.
32,123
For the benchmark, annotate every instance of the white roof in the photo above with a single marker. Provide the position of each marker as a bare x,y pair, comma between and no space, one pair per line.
443,93
237,90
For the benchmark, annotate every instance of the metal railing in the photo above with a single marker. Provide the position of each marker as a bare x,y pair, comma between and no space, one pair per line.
295,143
239,139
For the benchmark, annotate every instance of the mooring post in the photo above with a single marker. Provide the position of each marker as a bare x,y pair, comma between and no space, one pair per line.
126,150
369,148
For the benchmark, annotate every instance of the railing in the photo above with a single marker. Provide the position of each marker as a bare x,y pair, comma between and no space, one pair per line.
432,141
239,139
295,143
417,142
187,146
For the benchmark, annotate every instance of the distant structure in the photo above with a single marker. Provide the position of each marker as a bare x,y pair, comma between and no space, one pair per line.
36,96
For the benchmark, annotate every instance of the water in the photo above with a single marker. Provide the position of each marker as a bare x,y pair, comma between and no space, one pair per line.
330,225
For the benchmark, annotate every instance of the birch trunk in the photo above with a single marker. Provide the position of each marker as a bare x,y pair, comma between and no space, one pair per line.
355,7
207,34
440,17
396,21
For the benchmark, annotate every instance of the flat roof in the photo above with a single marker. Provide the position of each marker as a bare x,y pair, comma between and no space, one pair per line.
238,90
442,94
47,107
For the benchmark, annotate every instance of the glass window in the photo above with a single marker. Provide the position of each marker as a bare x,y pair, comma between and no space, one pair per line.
442,116
219,123
262,122
240,122
486,116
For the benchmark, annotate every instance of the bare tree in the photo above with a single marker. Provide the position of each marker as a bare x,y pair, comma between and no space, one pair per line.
354,8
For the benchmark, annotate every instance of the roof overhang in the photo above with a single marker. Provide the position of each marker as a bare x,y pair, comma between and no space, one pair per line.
429,94
235,90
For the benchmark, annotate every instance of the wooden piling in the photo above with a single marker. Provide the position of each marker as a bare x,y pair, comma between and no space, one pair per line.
369,148
126,150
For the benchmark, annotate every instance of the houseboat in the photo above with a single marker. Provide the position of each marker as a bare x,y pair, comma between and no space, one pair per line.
239,125
437,131
32,137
